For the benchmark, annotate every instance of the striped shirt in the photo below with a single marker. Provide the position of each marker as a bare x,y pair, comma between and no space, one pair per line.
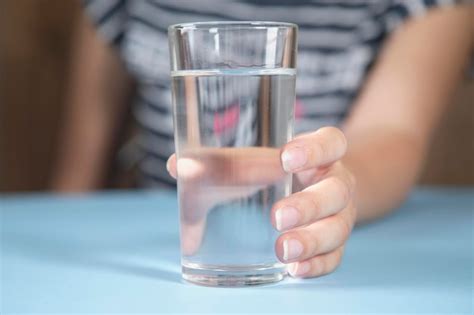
338,42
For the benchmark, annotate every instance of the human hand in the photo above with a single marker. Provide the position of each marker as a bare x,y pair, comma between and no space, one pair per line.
317,220
211,176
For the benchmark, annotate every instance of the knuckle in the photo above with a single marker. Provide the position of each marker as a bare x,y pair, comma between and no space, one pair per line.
354,213
343,189
329,129
329,267
319,266
340,136
345,228
336,134
314,206
313,240
346,176
319,151
338,254
326,264
336,261
352,180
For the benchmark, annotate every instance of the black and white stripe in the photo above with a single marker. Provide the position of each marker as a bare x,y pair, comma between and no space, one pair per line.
338,43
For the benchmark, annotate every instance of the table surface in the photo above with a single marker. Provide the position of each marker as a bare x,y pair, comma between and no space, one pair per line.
119,252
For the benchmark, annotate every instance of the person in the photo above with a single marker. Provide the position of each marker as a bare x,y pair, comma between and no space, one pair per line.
374,79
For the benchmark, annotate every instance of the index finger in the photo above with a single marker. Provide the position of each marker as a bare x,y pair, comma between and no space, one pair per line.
317,149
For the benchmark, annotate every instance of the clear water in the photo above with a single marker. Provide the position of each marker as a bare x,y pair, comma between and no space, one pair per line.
230,125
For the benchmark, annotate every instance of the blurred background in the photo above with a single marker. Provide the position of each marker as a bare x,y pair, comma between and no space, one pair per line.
36,39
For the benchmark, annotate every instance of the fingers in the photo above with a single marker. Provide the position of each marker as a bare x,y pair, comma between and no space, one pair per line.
204,175
314,150
315,239
254,165
191,236
321,200
317,266
171,166
228,166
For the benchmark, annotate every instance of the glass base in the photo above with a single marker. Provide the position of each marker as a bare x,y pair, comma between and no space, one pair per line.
233,276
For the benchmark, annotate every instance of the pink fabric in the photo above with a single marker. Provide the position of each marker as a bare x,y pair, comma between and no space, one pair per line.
226,120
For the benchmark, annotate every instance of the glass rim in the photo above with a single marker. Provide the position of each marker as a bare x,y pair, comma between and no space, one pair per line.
233,24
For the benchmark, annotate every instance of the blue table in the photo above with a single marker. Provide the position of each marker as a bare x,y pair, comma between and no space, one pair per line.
118,252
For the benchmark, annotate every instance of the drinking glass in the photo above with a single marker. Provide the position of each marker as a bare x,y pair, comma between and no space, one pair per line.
233,91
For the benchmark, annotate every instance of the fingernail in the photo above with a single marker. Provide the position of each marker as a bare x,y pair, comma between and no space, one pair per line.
293,159
188,168
292,249
299,268
286,218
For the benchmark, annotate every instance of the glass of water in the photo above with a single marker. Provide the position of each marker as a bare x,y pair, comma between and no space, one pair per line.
233,86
